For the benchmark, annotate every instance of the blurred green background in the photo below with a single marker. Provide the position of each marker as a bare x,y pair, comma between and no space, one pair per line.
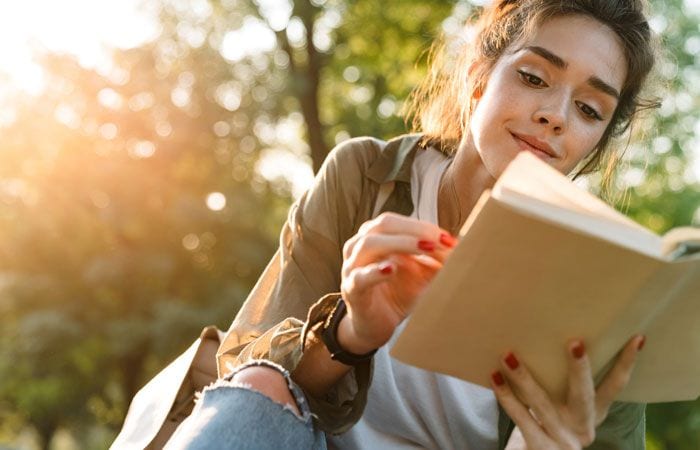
141,198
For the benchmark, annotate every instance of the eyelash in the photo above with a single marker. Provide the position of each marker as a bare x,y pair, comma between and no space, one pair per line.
532,80
588,111
537,82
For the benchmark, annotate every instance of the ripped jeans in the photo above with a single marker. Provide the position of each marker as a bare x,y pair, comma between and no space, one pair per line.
230,415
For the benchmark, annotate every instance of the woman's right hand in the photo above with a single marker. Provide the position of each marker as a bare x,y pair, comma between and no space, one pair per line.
386,265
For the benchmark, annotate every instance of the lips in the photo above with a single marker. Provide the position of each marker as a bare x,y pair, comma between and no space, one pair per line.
531,143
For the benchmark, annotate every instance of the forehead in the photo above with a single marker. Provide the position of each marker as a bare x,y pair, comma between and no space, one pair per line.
587,45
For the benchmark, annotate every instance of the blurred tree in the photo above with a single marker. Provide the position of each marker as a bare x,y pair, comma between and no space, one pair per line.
663,179
132,204
136,210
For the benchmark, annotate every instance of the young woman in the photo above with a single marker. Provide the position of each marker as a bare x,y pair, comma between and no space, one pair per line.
558,78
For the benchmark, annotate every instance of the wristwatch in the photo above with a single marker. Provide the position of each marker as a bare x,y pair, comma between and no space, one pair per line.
329,336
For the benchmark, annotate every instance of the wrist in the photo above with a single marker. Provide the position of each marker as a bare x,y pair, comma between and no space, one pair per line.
348,339
331,332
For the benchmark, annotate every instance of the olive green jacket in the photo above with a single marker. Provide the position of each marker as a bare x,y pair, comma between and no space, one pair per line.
299,286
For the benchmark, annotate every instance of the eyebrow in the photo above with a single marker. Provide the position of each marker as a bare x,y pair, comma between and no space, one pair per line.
549,56
601,85
558,62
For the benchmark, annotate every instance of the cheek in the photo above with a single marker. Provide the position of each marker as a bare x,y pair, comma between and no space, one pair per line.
493,110
581,144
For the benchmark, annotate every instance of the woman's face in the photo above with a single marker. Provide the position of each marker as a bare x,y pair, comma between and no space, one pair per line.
552,94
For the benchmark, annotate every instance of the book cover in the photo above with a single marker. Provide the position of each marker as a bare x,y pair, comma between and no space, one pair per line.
541,262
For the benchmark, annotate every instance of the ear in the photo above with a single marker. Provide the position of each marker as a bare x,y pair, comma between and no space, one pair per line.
478,88
478,92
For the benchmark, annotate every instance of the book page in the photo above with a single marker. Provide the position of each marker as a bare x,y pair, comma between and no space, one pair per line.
530,279
531,185
523,284
688,236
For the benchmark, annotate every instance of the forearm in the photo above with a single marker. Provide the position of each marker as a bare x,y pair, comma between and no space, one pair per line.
316,372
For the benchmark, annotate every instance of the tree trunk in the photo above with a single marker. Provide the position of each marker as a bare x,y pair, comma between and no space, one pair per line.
131,367
306,78
308,97
45,432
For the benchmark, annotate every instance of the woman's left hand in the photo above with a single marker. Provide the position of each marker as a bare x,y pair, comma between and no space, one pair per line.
545,424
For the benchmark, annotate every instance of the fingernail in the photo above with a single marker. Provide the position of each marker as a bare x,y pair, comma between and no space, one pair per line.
386,269
497,378
641,343
426,246
447,240
578,350
512,361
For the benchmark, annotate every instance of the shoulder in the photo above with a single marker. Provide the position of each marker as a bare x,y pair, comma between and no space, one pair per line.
359,152
369,151
380,161
355,168
345,188
341,192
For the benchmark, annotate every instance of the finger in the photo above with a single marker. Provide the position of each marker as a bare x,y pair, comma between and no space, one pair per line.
532,394
350,245
581,393
532,432
424,261
617,378
363,249
414,272
374,247
361,279
392,223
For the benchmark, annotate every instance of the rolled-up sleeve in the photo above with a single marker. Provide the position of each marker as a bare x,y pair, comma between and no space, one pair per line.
300,285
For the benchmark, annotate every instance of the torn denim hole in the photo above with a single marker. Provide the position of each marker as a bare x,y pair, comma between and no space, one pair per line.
296,391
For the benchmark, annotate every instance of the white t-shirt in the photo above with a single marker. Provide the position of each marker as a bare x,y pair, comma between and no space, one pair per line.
411,408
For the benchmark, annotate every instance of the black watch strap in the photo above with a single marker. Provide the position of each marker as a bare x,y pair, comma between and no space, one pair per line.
329,336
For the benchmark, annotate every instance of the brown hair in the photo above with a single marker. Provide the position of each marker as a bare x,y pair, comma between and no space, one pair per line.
441,106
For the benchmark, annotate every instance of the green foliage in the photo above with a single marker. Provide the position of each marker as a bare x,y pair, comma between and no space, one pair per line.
665,193
663,189
376,62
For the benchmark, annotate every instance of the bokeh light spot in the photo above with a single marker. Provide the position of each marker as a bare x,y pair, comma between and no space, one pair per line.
142,149
190,242
216,201
108,131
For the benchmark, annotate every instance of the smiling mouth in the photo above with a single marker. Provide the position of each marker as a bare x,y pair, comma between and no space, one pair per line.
527,146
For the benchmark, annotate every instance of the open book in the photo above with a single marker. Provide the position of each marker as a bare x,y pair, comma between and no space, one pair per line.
541,261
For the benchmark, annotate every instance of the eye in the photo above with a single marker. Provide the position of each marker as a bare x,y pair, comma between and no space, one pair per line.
588,111
530,79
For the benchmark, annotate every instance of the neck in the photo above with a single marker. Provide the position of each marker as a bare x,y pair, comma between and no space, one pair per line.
461,186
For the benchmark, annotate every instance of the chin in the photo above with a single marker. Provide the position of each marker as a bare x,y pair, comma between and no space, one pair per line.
496,169
496,166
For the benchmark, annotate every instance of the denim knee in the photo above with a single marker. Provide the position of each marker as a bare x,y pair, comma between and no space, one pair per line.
228,414
294,389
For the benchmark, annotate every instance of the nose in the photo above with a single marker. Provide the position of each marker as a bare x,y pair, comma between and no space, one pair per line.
552,115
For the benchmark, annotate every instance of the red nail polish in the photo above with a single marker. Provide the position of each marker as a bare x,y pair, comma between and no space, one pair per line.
578,350
426,246
641,343
447,240
512,361
386,269
497,378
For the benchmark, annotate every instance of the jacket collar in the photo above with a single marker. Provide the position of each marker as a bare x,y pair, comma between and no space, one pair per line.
396,159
